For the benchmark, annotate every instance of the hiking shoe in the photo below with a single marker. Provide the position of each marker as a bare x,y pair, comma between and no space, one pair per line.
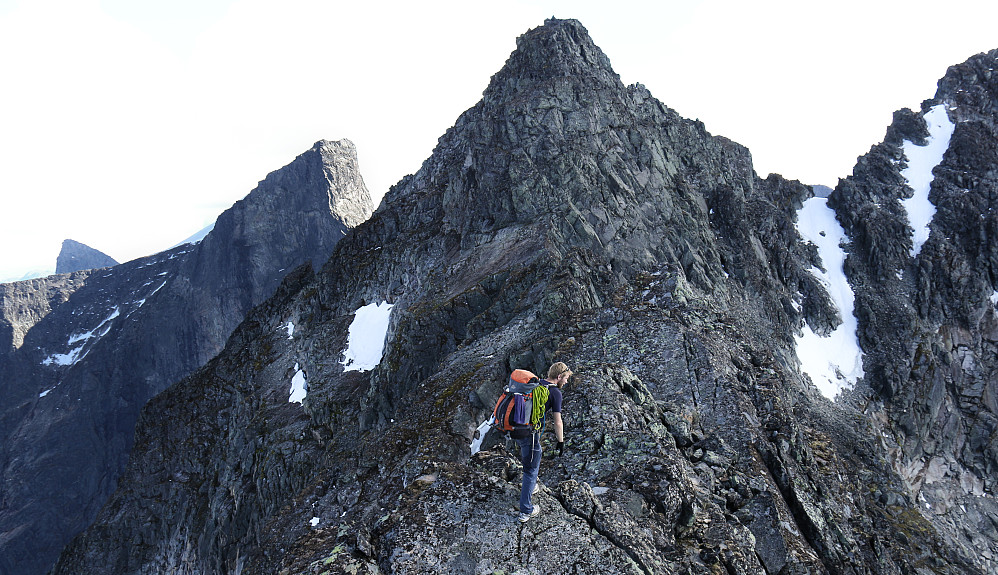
537,488
524,517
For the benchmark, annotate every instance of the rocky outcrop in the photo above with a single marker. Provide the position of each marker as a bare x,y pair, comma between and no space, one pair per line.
564,217
928,320
23,304
73,388
75,257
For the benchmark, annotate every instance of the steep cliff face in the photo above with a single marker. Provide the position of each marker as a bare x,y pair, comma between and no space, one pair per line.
80,371
75,257
564,217
926,296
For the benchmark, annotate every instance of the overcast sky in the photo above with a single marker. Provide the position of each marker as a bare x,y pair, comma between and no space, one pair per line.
129,125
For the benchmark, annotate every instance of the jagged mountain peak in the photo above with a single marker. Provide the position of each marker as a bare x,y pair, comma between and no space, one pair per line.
558,142
558,49
75,257
555,71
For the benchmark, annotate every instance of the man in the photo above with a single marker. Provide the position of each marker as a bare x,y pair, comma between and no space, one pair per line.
530,445
558,375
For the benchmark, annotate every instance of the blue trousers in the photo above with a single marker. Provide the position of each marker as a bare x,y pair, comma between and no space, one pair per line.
530,457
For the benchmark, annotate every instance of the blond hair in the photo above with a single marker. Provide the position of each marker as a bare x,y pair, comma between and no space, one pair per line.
557,369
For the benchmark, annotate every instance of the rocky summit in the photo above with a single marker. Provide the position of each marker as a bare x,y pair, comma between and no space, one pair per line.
81,353
75,257
569,217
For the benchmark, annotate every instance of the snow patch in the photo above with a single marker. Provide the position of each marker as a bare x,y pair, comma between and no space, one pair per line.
835,362
921,161
366,340
93,333
299,387
142,301
77,353
64,358
291,330
314,522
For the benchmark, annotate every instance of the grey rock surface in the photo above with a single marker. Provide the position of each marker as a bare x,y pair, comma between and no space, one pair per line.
565,217
75,257
83,353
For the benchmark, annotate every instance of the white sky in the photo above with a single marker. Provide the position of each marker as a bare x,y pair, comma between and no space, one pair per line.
129,125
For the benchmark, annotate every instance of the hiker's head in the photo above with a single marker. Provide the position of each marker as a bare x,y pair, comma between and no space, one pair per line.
559,373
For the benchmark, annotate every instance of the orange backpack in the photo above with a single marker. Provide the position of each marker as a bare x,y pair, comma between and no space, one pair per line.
514,407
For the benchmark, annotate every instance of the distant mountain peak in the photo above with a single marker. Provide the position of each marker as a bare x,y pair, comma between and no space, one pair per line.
75,257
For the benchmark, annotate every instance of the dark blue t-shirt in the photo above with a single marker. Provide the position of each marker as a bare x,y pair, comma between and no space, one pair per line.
554,399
